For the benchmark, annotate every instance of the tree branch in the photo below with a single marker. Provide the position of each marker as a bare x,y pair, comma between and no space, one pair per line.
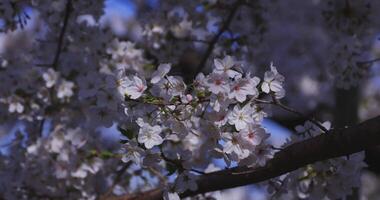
62,34
370,62
215,39
337,143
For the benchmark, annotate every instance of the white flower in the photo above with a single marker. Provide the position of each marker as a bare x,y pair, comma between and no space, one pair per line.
50,77
273,82
234,145
259,113
150,135
15,105
160,73
219,118
219,101
311,129
243,87
263,154
217,83
254,134
186,181
183,29
254,81
133,87
56,143
241,117
84,168
65,89
200,81
60,171
225,67
186,98
170,87
132,152
177,86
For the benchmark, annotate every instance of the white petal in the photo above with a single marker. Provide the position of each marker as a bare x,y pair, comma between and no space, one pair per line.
275,86
265,87
218,64
239,125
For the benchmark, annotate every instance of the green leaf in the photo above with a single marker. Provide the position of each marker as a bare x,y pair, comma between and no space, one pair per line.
171,168
106,154
123,141
126,132
92,153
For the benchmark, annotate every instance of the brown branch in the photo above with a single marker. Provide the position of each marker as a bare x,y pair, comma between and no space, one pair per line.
335,144
368,61
118,178
61,37
214,40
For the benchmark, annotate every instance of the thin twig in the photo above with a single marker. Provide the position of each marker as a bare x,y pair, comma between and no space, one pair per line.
262,101
119,175
189,39
158,174
42,126
198,171
215,39
58,51
368,61
278,103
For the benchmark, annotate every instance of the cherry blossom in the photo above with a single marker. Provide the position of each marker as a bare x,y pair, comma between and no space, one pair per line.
263,154
254,134
162,70
15,105
241,117
150,135
93,113
225,66
234,145
243,87
217,83
50,77
65,89
273,82
132,152
133,87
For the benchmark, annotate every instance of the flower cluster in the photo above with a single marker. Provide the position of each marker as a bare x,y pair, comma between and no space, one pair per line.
217,116
66,77
52,165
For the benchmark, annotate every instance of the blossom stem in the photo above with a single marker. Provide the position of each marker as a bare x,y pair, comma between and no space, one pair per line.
289,109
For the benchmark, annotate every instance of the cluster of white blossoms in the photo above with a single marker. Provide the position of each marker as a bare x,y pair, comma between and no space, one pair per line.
65,77
125,55
52,165
217,116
